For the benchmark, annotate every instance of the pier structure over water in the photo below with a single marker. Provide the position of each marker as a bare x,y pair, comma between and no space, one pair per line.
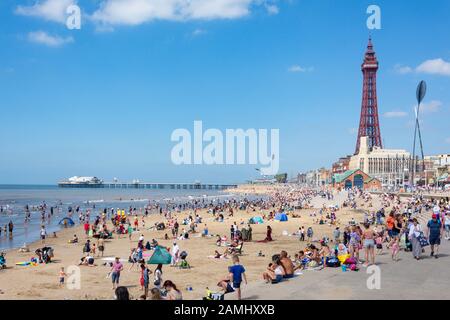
141,185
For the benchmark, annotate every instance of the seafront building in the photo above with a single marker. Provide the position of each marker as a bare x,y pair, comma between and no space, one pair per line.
390,166
440,168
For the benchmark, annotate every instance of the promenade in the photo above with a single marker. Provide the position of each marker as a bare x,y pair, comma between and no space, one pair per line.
404,279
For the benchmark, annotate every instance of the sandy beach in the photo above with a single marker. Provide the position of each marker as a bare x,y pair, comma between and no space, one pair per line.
41,281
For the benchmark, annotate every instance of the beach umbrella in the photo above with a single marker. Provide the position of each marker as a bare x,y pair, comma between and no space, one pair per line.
160,256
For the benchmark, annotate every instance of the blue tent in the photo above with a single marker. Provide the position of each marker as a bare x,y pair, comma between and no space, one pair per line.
67,221
281,216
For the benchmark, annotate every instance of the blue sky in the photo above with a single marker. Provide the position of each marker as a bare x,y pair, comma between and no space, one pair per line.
104,100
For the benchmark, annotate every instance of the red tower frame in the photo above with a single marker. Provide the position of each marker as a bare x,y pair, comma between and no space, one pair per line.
369,125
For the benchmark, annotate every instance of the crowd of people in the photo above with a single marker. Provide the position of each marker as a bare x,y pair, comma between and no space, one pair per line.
397,225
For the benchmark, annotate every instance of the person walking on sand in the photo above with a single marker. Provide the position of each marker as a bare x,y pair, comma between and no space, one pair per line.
237,274
101,246
175,254
116,268
145,278
62,275
158,276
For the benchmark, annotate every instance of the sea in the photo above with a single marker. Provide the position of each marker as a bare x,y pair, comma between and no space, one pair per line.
14,198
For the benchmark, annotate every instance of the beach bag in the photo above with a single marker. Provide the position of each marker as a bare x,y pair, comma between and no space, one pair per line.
354,267
423,240
332,262
350,261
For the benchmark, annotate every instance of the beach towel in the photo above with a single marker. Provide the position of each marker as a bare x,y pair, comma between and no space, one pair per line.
111,259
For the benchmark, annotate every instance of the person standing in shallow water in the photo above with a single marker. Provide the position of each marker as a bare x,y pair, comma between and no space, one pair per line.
11,228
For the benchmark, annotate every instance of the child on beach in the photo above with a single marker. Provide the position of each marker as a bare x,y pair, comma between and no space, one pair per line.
62,276
395,247
379,243
237,274
101,246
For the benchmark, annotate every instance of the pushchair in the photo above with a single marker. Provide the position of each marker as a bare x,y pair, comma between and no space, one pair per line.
184,264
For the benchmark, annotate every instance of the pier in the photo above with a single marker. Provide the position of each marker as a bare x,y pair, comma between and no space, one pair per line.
140,185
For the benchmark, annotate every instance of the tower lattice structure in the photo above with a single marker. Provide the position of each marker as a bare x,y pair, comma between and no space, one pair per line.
369,125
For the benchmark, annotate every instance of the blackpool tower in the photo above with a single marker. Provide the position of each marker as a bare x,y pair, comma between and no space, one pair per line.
369,126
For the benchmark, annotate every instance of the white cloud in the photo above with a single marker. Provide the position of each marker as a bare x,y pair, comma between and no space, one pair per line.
135,12
430,107
44,38
52,10
272,9
403,69
447,140
436,66
395,114
297,68
433,66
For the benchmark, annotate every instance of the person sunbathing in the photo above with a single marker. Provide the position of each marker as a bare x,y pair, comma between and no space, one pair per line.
302,261
315,256
287,265
274,272
225,285
218,255
324,253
